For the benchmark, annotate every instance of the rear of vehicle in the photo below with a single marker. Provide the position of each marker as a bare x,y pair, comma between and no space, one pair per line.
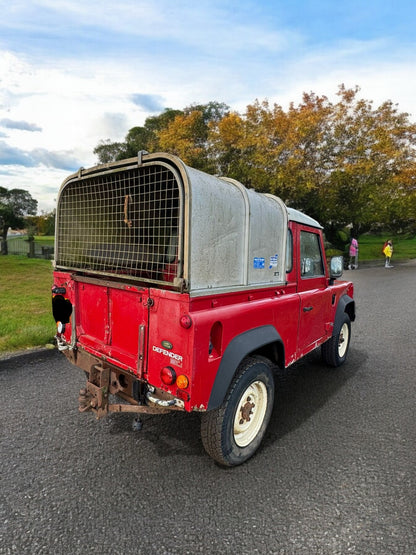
178,290
145,248
118,294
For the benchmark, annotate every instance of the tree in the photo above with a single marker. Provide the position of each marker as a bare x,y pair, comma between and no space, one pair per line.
185,137
344,163
371,156
42,224
15,204
138,138
158,133
107,151
227,146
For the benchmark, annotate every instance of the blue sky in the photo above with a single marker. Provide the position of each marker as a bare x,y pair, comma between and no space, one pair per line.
74,72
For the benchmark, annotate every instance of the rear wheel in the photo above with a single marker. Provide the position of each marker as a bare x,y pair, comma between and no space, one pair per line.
232,433
335,350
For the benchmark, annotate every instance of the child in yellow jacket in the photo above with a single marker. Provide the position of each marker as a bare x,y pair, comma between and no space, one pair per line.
388,253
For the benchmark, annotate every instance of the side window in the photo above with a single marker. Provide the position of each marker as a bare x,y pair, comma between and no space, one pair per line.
310,255
289,251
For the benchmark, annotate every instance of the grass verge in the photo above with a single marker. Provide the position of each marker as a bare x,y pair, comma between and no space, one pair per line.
26,315
370,246
25,302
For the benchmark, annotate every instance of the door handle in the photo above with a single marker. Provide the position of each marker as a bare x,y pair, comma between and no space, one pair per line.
307,308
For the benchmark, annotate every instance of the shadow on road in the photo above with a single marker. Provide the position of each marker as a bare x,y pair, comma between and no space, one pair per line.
304,388
301,391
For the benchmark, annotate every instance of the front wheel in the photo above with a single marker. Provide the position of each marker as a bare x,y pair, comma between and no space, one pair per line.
232,433
334,351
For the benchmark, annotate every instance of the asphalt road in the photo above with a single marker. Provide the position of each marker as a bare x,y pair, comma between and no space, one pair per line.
335,475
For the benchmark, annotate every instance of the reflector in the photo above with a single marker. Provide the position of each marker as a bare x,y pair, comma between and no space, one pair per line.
186,321
182,381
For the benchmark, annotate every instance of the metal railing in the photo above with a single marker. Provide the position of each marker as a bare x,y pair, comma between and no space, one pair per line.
25,246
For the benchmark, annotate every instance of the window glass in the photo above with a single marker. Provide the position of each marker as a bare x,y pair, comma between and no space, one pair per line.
310,255
289,251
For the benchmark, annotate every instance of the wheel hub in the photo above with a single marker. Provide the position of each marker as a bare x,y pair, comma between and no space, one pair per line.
247,411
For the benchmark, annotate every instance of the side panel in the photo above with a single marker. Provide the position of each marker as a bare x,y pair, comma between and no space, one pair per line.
109,318
315,315
92,315
169,342
216,328
126,313
316,310
238,349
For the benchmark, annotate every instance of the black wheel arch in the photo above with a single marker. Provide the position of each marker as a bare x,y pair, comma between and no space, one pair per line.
346,305
264,340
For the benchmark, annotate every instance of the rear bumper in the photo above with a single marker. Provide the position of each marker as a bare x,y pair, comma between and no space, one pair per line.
105,380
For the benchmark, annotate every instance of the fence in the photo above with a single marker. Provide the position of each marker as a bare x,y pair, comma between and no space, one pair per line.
33,248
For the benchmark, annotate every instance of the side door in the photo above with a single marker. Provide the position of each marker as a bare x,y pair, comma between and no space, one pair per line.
315,295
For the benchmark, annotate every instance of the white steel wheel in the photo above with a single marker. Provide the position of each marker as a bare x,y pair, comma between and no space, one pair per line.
335,350
232,433
343,340
250,413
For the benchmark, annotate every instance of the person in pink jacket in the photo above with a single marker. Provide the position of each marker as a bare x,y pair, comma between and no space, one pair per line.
353,265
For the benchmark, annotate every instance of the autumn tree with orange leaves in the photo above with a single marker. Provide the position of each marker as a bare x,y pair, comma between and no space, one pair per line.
344,163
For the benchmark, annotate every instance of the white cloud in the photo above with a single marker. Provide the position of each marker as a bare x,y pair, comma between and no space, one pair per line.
43,186
73,73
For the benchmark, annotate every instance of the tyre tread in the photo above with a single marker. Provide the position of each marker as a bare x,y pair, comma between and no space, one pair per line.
329,349
212,421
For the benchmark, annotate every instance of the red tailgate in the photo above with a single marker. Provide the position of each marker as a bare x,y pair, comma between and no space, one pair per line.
112,319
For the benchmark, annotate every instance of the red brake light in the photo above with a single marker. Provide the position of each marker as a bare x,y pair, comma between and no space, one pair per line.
168,375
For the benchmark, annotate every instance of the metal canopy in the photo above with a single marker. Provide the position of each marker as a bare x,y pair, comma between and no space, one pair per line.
156,220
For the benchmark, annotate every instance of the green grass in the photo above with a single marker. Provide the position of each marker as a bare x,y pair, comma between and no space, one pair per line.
26,315
45,239
370,246
25,300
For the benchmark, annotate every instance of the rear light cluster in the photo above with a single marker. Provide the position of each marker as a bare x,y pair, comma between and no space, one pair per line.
168,374
169,377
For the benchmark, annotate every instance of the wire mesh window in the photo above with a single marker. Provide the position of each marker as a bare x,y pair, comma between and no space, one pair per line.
125,222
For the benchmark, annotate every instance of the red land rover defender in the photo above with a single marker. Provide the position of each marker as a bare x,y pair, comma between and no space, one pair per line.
178,290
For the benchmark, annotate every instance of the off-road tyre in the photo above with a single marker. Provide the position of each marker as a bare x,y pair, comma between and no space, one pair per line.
232,433
334,351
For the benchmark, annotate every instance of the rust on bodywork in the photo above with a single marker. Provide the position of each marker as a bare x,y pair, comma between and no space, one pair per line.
104,381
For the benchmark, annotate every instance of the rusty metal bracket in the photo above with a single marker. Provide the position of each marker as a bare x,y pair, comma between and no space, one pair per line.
95,396
103,381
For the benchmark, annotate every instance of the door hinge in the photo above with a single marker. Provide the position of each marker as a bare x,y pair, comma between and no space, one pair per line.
141,347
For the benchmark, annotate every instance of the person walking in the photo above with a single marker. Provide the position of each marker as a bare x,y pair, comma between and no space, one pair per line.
388,253
353,265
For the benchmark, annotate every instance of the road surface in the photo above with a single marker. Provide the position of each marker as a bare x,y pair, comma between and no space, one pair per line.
335,474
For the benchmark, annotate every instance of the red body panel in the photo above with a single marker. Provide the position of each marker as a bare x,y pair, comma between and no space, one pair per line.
139,329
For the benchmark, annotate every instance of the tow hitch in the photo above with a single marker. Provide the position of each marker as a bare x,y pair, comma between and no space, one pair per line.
103,382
